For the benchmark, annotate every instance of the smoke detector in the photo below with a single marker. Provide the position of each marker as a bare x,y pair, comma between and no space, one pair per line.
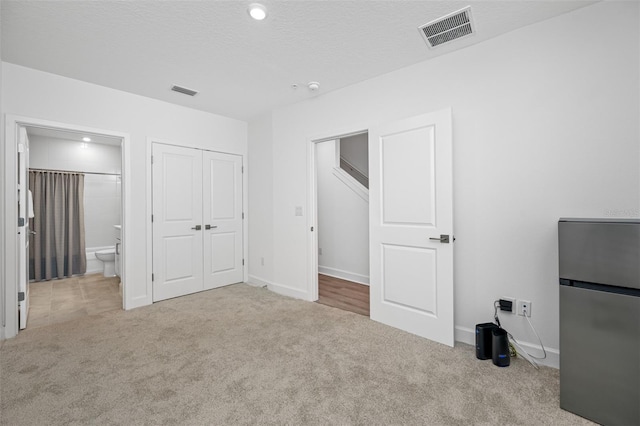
451,27
184,90
313,86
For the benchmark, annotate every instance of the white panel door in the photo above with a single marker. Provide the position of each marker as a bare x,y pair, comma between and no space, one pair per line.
177,221
411,206
222,197
23,227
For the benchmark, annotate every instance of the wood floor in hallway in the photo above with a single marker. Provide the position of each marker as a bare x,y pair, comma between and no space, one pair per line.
343,294
56,301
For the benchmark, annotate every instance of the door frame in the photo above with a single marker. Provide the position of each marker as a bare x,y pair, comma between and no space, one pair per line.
10,202
312,201
149,212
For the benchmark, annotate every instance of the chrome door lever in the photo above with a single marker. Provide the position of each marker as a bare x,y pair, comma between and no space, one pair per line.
197,227
210,226
443,238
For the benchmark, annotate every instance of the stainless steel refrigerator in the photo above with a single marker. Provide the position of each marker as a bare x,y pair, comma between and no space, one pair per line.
599,263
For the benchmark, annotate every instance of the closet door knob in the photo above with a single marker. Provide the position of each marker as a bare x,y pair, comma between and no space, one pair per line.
197,227
210,226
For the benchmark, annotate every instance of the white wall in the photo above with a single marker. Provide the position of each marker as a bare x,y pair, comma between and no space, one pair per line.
62,154
101,192
355,149
260,215
31,93
101,209
545,124
343,222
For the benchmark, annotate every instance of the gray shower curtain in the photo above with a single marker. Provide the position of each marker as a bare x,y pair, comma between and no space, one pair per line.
57,249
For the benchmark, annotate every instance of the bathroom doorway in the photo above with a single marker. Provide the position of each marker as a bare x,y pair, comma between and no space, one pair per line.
60,161
87,168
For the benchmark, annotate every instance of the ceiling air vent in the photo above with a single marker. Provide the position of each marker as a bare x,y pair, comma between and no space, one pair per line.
451,27
184,90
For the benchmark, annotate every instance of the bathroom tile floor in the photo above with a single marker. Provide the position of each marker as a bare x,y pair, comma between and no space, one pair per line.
56,301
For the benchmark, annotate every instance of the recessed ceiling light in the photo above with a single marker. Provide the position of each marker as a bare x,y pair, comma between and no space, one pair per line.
86,139
257,11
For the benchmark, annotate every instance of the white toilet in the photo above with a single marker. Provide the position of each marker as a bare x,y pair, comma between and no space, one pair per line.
108,258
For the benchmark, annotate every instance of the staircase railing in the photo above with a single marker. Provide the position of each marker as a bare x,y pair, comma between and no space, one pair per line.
354,172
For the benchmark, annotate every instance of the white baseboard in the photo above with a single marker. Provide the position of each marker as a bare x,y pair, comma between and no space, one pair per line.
94,266
138,302
345,275
467,335
464,335
278,288
255,282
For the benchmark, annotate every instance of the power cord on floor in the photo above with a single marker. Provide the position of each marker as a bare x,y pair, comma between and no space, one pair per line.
544,352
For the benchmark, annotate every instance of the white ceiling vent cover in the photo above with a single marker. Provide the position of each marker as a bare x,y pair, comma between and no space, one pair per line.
184,90
450,27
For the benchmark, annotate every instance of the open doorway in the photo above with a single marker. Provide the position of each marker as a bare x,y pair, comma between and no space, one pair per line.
23,136
87,167
411,253
342,211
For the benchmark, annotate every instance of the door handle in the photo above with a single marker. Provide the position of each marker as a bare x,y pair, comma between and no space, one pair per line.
210,226
197,227
32,232
443,238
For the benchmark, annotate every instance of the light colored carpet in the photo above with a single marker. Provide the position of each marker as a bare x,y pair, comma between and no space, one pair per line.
244,355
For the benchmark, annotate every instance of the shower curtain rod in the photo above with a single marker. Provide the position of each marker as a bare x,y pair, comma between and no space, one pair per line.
72,171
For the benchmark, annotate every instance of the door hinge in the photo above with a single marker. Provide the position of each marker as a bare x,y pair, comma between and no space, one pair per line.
152,159
243,262
312,229
243,215
21,296
151,218
153,277
241,169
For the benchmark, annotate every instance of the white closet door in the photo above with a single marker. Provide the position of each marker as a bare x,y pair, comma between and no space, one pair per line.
177,221
411,208
222,199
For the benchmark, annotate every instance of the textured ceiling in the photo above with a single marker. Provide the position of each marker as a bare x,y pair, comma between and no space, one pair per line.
240,66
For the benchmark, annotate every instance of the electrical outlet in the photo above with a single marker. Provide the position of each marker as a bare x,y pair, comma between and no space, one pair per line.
524,307
507,304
